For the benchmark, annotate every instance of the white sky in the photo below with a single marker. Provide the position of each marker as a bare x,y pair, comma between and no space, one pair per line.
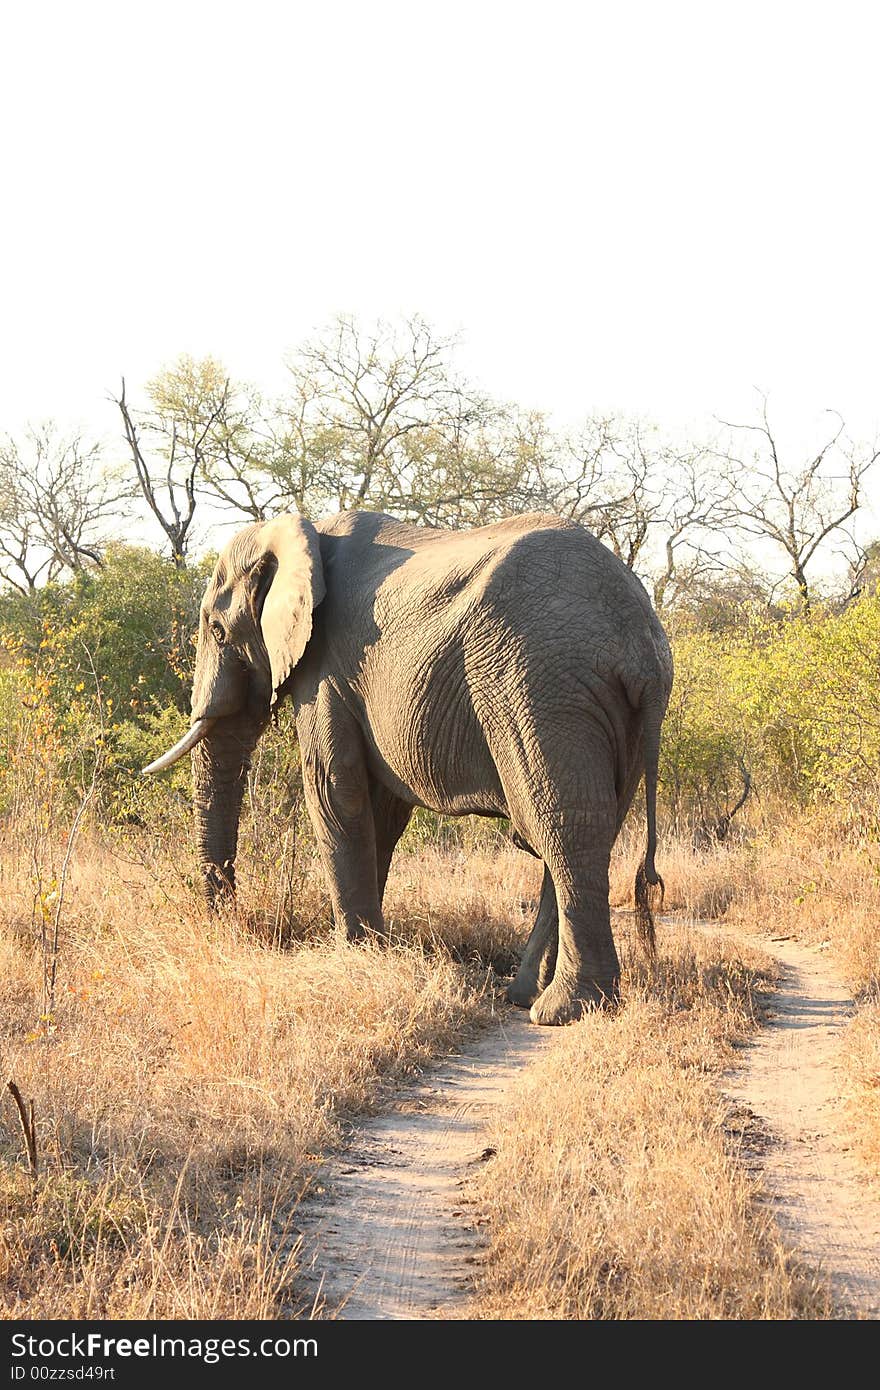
649,207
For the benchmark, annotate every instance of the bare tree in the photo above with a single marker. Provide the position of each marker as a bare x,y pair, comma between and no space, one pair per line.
640,494
378,417
250,466
57,500
468,468
626,498
796,507
694,523
366,404
186,404
252,462
862,573
302,463
374,418
569,475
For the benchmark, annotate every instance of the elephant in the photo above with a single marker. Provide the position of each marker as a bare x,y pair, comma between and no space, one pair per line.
515,670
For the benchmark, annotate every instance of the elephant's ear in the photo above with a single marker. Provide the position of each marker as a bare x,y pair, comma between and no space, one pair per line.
292,568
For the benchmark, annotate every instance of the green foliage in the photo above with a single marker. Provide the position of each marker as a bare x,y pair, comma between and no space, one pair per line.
795,698
465,833
126,629
97,670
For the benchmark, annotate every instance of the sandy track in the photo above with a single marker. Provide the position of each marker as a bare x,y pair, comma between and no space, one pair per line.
790,1083
392,1240
386,1236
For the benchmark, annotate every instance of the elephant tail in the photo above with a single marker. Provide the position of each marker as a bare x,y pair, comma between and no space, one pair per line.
647,874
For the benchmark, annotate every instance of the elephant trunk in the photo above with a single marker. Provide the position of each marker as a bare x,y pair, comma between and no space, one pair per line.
220,764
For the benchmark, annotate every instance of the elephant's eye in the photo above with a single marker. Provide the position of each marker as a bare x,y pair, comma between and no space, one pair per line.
218,633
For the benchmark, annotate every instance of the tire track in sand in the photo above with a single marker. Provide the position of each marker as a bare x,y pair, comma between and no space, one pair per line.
388,1239
791,1083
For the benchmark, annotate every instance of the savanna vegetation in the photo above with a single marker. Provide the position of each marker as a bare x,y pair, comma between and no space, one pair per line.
188,1071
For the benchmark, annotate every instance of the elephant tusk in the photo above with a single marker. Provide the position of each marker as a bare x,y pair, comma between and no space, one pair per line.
189,740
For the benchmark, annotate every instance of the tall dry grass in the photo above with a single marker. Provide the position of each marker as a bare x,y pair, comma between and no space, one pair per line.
791,879
861,1071
196,1069
192,1074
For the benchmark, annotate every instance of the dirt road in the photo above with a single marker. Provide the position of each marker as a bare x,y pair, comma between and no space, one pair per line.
790,1082
387,1236
392,1240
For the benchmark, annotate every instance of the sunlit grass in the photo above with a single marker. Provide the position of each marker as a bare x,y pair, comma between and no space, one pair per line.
196,1071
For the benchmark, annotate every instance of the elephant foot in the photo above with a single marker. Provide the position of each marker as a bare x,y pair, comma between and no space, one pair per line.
523,991
559,1004
357,932
351,933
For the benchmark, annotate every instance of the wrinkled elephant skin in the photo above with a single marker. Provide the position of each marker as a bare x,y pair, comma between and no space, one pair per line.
516,670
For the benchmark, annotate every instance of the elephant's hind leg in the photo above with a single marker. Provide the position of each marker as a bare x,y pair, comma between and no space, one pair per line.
557,765
587,973
539,957
572,822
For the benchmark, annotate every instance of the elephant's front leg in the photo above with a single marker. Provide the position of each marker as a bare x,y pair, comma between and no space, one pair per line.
390,818
539,957
338,801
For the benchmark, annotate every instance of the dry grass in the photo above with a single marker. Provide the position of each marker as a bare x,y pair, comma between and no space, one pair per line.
194,1072
480,904
703,886
861,1069
792,880
616,1191
191,1072
799,878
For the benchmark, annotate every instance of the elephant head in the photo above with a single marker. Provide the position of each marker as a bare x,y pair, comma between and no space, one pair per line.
255,622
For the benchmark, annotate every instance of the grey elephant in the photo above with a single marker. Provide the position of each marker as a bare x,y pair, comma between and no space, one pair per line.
514,670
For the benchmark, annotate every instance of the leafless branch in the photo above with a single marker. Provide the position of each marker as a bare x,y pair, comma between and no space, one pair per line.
797,507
